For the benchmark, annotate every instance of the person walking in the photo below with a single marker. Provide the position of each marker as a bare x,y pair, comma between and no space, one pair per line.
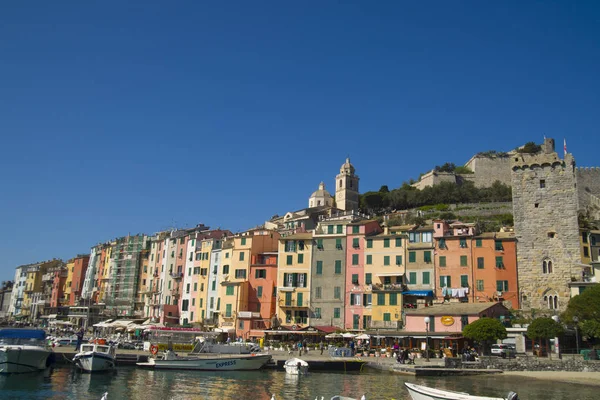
321,347
79,339
300,348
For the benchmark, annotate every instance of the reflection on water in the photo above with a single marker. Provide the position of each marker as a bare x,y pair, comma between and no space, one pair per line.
138,384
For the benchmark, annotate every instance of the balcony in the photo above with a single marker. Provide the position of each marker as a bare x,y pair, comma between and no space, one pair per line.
388,287
293,303
385,325
176,275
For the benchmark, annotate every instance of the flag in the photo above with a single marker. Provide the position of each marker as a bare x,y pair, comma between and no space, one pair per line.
565,146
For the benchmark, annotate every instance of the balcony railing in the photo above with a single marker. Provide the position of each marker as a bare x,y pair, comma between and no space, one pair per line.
385,324
176,275
388,287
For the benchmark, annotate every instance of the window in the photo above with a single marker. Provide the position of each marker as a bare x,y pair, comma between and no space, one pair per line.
356,243
299,299
338,267
412,278
381,299
337,293
354,259
339,229
463,261
413,237
290,246
499,262
320,244
426,237
387,317
398,242
317,314
193,303
412,256
259,291
463,243
318,292
542,183
445,281
240,274
243,241
355,299
442,243
214,285
386,260
502,286
242,256
547,267
336,312
228,310
442,261
369,259
330,229
480,263
586,251
480,284
498,245
301,245
338,244
260,274
300,258
356,229
393,299
386,242
426,279
369,243
319,267
201,302
464,281
427,256
478,243
355,279
584,237
368,278
398,260
225,269
289,260
288,299
229,291
195,286
187,288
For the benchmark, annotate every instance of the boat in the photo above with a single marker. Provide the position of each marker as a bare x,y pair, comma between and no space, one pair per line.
418,392
296,366
338,397
96,357
24,350
213,362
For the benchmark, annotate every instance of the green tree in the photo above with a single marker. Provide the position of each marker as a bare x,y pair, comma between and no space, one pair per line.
544,328
591,329
530,147
384,189
485,331
586,306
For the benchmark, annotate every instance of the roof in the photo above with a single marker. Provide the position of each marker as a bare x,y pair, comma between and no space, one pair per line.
453,309
303,235
363,222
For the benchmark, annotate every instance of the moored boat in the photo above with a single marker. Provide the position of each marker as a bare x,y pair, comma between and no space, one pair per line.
419,392
95,357
24,350
170,360
296,366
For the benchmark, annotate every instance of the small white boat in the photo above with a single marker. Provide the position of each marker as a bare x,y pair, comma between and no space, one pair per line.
418,392
170,360
296,366
95,357
24,350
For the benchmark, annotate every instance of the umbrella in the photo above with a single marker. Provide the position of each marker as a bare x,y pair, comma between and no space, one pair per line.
363,336
348,335
333,336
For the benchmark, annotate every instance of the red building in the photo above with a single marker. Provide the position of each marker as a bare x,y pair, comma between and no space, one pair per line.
80,264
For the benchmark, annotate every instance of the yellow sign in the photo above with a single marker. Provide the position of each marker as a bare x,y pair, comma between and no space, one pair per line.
176,347
447,320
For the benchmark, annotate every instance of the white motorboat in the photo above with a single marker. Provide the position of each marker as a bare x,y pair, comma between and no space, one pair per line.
171,360
418,392
24,350
95,357
296,366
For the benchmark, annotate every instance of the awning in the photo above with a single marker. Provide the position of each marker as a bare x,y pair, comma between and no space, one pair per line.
51,316
390,274
225,330
420,293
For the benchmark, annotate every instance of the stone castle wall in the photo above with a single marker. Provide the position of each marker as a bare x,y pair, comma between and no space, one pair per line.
588,186
546,225
433,178
487,170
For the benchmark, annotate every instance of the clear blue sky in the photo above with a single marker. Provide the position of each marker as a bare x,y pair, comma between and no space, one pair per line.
135,117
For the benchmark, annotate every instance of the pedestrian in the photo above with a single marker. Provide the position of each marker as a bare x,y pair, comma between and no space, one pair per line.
321,347
79,339
352,347
300,348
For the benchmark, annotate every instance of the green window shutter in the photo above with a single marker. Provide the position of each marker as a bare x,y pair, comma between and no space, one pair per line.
381,299
398,260
463,261
369,259
412,257
336,312
229,291
477,242
289,260
356,243
369,243
354,259
319,267
499,286
464,281
356,229
480,284
398,242
386,242
442,261
463,243
241,256
338,244
259,292
393,299
299,299
337,293
480,264
339,229
300,258
368,278
243,241
442,243
498,245
288,298
499,262
338,266
387,317
330,229
228,310
426,278
427,256
412,278
355,279
386,260
320,244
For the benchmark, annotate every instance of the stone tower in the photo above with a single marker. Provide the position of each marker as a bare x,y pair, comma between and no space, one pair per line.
545,205
346,188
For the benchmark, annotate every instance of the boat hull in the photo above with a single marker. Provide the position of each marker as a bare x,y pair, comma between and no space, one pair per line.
94,362
20,359
248,363
418,392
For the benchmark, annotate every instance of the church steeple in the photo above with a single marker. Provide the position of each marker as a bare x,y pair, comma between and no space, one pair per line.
346,187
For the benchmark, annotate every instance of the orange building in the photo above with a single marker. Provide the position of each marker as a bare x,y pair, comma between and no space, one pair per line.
80,264
495,268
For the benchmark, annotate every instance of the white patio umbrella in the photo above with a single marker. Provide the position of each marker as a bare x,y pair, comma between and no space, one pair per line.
363,336
348,335
333,336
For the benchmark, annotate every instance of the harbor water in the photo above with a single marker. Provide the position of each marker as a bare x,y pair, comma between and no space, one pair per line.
140,384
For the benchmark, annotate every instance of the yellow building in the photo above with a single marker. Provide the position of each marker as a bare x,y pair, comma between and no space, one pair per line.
104,277
293,279
385,257
67,287
201,266
33,284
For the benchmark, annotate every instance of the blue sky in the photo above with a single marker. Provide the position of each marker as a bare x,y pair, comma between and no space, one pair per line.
119,118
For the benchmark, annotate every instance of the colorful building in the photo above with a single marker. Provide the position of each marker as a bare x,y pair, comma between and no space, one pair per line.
420,264
262,295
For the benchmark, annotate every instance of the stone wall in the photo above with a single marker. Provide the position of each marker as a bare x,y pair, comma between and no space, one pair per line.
539,364
487,170
545,205
588,186
433,178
